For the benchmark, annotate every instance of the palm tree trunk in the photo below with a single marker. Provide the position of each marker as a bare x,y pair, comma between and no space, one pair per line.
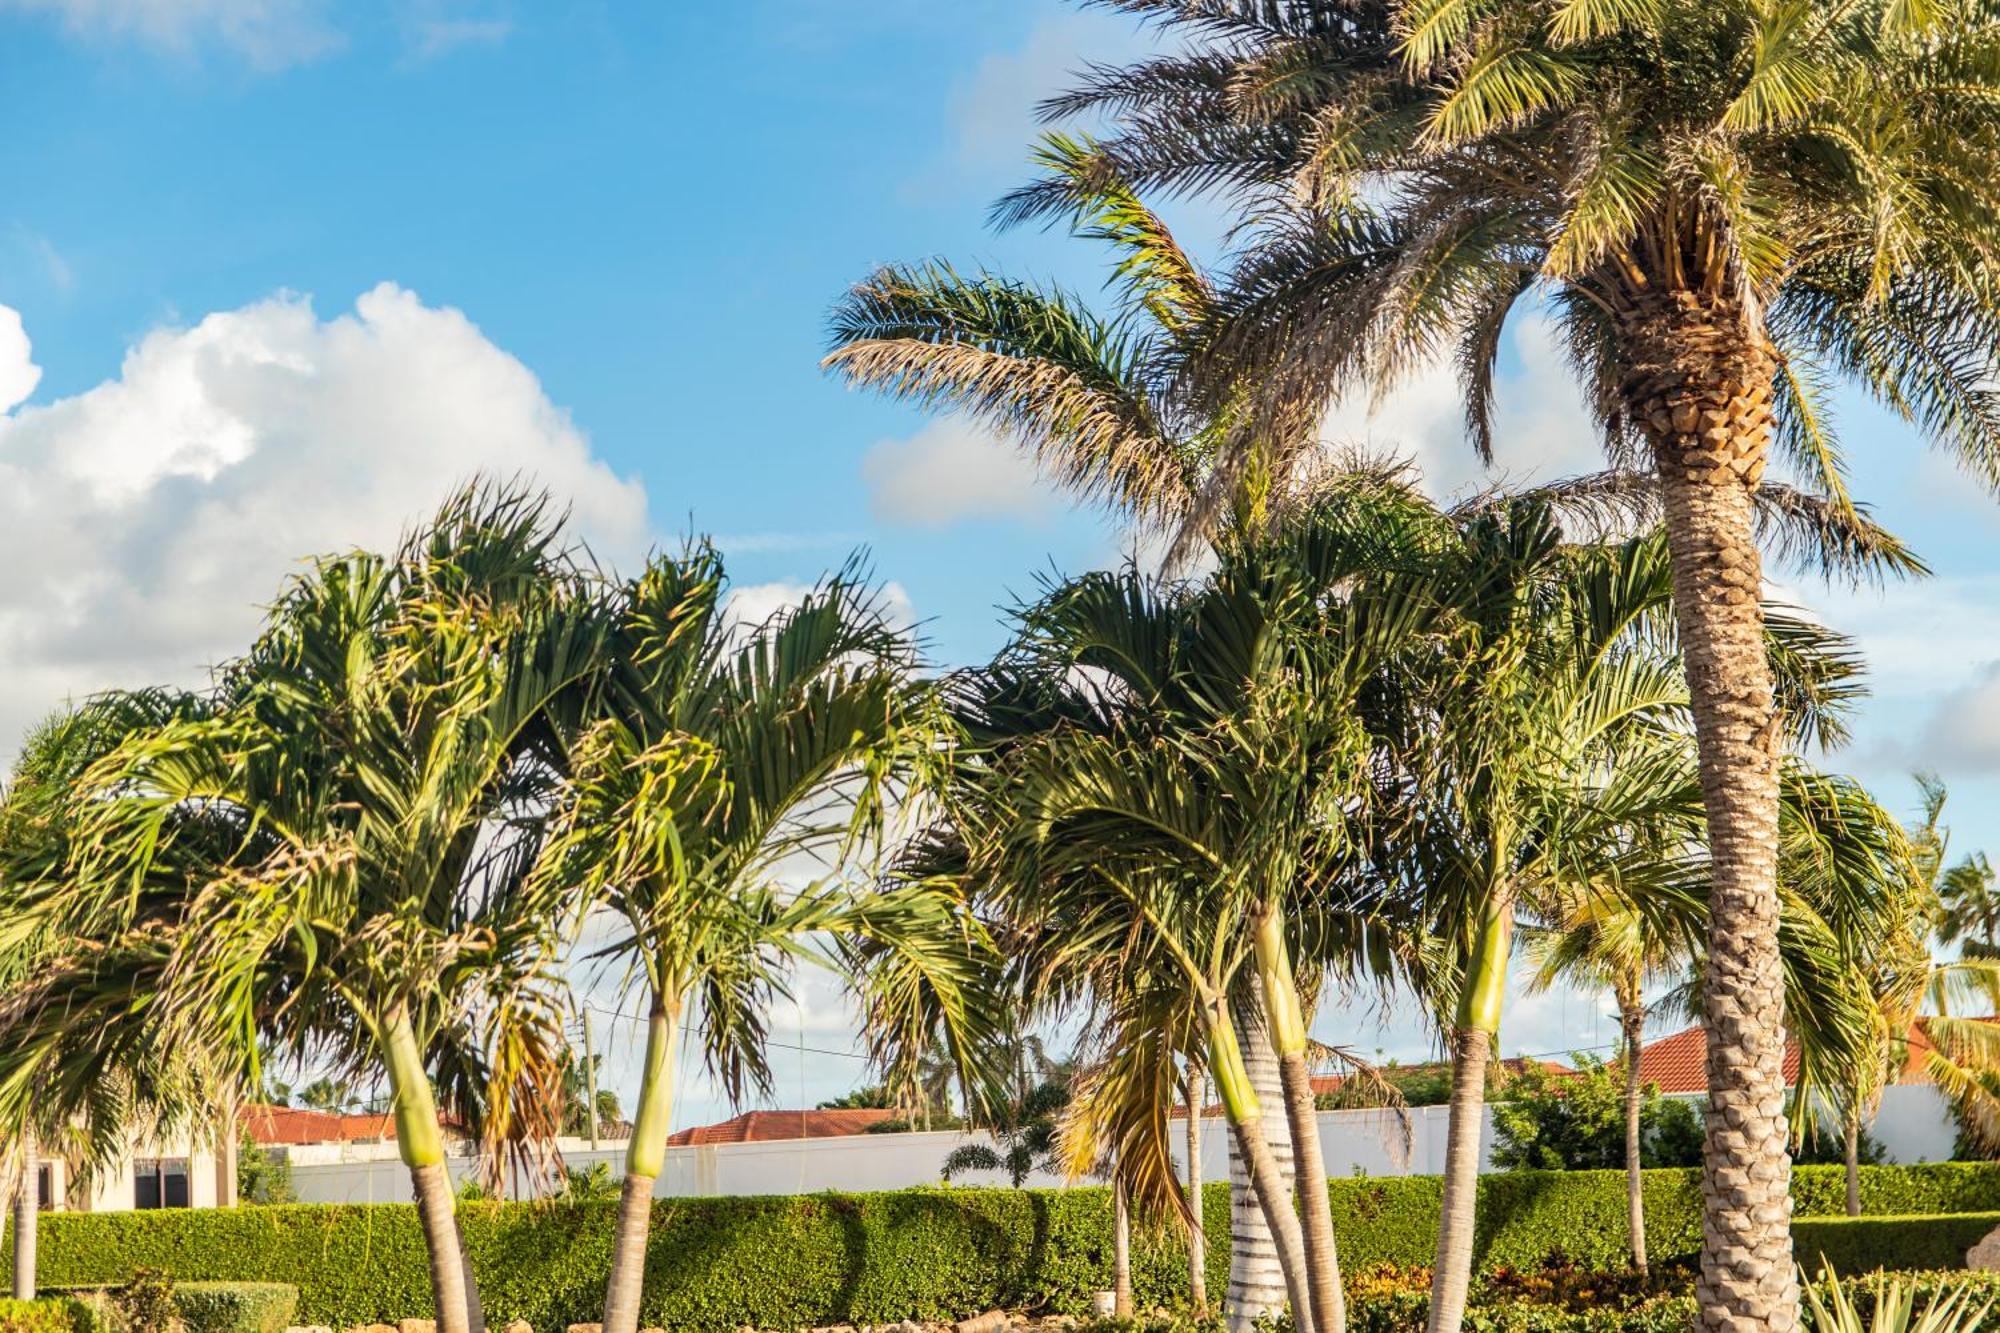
27,1214
1197,1232
1121,1247
1699,385
1288,1039
421,1146
1632,1018
1481,992
1853,1160
1258,1256
644,1160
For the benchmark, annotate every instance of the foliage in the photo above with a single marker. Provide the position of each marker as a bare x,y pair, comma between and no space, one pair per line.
262,1175
588,1184
873,1097
1832,1307
145,1303
236,1307
1417,1085
1553,1122
718,1263
1027,1133
50,1315
1861,1244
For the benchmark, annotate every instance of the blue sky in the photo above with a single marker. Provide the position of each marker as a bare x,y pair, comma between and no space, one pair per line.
285,271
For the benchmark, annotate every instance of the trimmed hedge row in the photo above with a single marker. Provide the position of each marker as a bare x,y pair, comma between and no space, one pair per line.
1861,1244
53,1315
926,1253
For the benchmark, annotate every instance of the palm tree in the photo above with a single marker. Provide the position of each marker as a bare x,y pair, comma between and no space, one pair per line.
81,1071
1091,398
356,819
718,766
1723,205
1599,941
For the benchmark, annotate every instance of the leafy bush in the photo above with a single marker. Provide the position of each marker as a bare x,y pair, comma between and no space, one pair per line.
145,1304
925,1253
54,1315
1576,1122
262,1176
1861,1244
236,1307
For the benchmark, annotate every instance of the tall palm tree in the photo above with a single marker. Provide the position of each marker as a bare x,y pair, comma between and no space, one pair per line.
81,1072
1723,205
1091,398
356,818
724,777
1161,766
1599,941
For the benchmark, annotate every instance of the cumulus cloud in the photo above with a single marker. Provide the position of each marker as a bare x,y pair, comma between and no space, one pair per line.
1540,430
145,521
270,34
1963,733
951,470
992,111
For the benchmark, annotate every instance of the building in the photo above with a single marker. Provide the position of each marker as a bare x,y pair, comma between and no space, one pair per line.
174,1174
785,1126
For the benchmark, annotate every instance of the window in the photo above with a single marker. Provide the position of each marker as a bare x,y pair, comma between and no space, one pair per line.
160,1182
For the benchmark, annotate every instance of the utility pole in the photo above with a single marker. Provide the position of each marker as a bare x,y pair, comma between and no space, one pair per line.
590,1076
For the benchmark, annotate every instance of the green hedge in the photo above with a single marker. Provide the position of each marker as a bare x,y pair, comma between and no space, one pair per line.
236,1307
51,1315
874,1258
1861,1244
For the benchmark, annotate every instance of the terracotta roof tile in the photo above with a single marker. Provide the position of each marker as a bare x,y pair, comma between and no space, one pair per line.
297,1125
778,1126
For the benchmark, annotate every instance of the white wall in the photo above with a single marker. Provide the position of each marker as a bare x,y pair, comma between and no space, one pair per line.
1914,1126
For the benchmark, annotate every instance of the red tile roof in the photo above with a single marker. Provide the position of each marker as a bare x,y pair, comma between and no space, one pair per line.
777,1126
297,1125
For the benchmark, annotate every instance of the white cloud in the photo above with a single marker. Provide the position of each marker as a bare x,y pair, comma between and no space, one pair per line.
270,34
951,470
1540,430
752,604
145,521
992,111
432,28
1963,734
18,372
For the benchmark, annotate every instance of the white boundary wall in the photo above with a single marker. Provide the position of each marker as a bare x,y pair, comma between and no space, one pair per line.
1913,1126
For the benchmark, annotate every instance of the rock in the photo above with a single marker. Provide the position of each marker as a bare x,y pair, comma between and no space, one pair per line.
518,1326
308,1328
993,1321
416,1326
586,1328
1985,1255
643,1330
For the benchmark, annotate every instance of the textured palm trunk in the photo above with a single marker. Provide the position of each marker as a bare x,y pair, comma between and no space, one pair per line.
1632,1019
1121,1249
1482,992
27,1215
1287,1028
420,1143
1699,385
1197,1229
1257,1259
1852,1157
1451,1276
644,1159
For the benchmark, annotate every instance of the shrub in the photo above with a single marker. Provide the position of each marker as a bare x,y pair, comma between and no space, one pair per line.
814,1260
53,1315
145,1304
1862,1244
1576,1121
236,1307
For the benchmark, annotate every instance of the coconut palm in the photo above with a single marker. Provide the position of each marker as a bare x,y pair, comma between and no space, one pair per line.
81,1072
1723,206
725,775
1172,756
1091,397
355,818
1599,941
